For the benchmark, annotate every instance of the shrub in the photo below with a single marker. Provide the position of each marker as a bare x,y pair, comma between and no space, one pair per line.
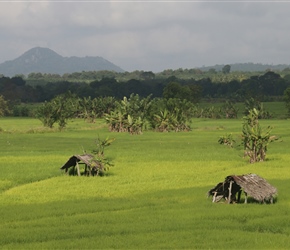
255,139
227,140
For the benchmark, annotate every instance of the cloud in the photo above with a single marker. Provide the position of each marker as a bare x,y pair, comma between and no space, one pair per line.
150,35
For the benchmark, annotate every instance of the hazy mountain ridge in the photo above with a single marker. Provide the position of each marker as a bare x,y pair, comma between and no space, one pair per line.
45,60
247,67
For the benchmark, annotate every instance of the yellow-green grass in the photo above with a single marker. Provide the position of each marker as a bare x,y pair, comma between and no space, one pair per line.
153,198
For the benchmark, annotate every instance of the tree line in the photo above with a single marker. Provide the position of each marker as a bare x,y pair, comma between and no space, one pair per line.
227,86
133,114
265,87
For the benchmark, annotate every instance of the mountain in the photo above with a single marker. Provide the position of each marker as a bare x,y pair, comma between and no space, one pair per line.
44,60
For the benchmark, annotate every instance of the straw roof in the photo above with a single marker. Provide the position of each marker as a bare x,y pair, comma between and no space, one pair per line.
85,158
255,186
252,185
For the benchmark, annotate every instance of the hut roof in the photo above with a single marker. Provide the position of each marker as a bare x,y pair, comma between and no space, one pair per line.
255,186
85,158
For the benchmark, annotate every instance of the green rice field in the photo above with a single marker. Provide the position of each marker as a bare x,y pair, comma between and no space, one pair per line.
154,197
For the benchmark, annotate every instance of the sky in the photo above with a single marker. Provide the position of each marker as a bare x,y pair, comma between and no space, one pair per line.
150,35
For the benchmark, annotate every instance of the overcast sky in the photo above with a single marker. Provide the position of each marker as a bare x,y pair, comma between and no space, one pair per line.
150,35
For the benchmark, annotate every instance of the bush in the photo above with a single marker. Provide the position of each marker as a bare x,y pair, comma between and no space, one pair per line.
227,140
255,139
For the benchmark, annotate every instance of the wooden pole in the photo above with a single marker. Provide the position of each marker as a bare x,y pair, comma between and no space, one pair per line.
78,169
213,198
246,197
230,192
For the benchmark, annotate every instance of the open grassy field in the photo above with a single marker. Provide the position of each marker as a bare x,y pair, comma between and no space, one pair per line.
153,198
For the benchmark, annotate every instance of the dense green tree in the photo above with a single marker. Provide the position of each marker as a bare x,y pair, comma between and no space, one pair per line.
147,75
47,114
59,109
273,84
35,75
251,88
4,109
189,92
212,71
173,90
226,69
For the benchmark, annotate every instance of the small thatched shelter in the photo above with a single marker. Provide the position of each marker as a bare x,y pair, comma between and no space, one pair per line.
252,185
92,166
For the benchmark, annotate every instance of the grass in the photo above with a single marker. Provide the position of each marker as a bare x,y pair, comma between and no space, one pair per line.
153,198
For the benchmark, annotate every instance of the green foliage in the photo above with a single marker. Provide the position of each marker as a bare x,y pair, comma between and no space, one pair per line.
164,121
101,144
46,113
4,109
276,109
253,103
129,115
227,140
171,115
92,108
103,163
287,99
21,110
175,90
255,140
147,75
66,108
189,84
59,109
226,69
230,110
226,110
87,109
208,112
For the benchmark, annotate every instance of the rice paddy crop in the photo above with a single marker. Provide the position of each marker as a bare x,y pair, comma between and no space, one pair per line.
154,197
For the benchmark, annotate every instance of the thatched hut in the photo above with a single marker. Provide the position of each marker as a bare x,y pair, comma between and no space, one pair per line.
252,185
92,166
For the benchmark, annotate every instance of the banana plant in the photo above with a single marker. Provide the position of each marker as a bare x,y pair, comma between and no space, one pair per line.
129,115
255,139
163,122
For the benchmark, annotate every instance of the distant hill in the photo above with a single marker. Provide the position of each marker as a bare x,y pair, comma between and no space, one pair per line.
44,60
247,67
